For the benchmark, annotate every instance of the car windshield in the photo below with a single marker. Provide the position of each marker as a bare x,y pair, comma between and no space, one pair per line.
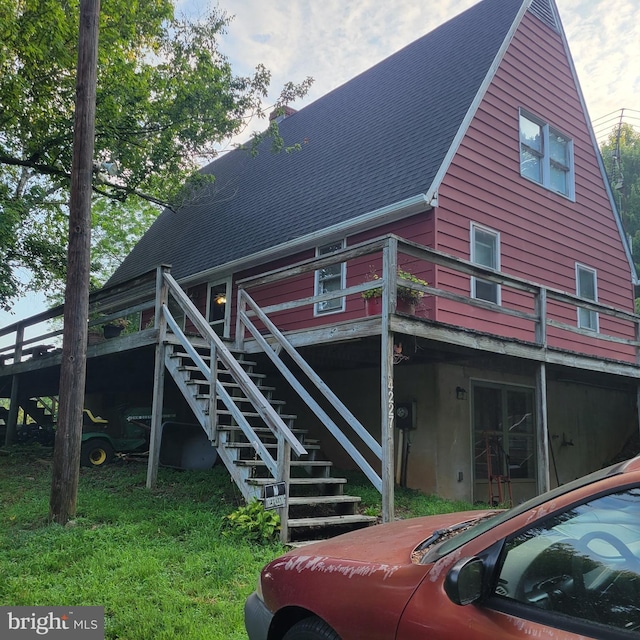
455,537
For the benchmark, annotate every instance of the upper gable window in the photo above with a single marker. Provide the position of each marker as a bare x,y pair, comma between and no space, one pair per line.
546,155
330,278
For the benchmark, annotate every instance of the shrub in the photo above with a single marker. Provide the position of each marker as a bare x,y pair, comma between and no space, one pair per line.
253,522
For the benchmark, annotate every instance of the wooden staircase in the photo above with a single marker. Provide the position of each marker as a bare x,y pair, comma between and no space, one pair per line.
317,506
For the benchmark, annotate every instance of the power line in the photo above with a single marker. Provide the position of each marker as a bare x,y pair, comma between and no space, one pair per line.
610,124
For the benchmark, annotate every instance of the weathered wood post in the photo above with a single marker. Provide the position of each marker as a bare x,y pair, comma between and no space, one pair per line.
66,457
387,405
542,429
12,418
160,325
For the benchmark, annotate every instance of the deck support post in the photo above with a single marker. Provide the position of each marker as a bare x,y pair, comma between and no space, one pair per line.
387,405
12,418
160,324
542,429
284,474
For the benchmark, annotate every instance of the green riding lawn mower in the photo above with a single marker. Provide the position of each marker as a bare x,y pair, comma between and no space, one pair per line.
126,433
102,440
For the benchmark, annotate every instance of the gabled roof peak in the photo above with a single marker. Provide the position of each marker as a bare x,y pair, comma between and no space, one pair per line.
543,10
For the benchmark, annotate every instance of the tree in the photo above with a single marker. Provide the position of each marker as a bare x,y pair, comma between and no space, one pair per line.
621,155
167,99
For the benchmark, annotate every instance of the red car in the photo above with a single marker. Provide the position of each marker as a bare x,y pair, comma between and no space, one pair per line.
563,565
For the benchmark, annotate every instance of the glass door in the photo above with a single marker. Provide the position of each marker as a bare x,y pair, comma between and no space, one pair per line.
503,443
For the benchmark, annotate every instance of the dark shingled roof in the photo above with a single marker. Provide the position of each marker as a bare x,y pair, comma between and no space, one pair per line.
376,140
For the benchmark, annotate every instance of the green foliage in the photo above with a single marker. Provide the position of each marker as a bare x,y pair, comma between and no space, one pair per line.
252,522
156,560
408,503
621,156
167,100
408,294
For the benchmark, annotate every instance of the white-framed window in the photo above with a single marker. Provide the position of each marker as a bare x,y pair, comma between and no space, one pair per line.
218,294
330,278
546,155
485,251
587,288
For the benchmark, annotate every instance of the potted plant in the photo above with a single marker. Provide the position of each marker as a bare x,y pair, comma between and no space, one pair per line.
407,297
114,328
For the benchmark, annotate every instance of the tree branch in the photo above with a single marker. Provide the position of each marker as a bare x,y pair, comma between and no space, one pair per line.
60,173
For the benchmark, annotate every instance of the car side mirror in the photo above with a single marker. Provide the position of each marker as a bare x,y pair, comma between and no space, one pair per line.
463,583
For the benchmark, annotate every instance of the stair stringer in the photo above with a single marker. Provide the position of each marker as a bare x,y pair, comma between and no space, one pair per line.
200,410
260,425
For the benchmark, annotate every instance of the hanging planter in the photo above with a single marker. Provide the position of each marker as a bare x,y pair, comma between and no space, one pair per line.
112,330
373,306
115,328
406,300
405,306
95,337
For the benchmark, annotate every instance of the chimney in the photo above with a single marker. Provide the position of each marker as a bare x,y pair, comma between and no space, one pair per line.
280,113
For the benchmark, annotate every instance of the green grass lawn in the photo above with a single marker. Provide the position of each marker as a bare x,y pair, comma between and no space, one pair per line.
157,561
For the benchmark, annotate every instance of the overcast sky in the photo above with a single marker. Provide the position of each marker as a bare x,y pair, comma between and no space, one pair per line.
334,40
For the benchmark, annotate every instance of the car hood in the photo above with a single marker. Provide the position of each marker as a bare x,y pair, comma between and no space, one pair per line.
388,544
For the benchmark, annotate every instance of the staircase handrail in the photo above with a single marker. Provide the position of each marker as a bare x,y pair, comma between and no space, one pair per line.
260,403
233,408
317,381
48,403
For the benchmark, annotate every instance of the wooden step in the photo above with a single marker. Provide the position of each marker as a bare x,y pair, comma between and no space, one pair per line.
267,445
265,391
234,428
299,481
235,385
293,463
330,521
194,368
242,399
296,501
248,414
206,356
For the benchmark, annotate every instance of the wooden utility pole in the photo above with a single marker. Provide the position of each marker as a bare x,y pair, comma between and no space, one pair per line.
66,457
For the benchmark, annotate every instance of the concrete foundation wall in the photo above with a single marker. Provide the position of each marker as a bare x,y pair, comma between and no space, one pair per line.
588,425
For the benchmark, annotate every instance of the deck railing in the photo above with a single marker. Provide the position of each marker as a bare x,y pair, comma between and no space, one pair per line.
275,321
273,343
539,309
41,333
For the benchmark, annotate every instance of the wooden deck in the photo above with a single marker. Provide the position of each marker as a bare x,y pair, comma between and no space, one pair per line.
31,364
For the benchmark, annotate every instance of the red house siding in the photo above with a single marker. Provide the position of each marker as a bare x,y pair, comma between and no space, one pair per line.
418,228
542,234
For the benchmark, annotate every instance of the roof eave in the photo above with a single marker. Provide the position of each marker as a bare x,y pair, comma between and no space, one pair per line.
378,217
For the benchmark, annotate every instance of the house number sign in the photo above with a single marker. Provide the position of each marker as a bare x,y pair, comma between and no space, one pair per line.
275,495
